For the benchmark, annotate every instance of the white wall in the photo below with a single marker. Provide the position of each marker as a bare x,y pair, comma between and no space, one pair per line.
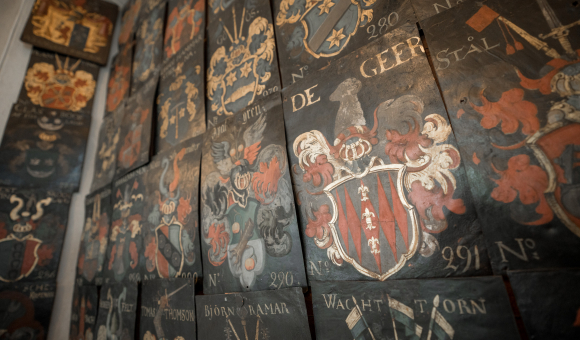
14,55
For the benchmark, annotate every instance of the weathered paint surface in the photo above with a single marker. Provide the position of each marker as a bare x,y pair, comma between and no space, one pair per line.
512,95
377,173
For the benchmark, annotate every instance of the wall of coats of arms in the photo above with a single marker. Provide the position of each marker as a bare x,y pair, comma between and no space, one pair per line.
296,169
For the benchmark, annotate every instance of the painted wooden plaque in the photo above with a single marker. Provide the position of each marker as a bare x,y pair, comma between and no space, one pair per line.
376,170
249,226
134,145
43,148
25,309
168,310
125,246
119,79
59,82
117,311
79,28
106,155
185,23
93,249
84,313
180,102
171,216
242,62
253,315
129,20
511,90
148,6
548,302
32,228
148,48
218,6
470,308
313,33
427,8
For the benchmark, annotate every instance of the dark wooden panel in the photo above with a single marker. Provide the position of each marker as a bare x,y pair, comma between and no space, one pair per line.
428,8
81,29
92,252
25,309
119,85
473,308
249,227
129,20
149,6
241,54
32,228
125,247
312,34
512,97
171,213
217,6
148,46
43,148
181,101
134,146
117,311
106,155
549,303
376,170
256,315
83,318
168,309
185,23
59,82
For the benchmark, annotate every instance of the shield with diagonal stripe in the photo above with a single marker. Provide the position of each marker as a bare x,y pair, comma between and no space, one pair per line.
169,253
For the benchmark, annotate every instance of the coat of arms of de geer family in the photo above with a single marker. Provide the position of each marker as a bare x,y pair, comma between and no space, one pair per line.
363,211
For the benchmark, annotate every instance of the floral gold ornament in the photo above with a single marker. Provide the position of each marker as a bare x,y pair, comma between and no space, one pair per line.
63,87
238,74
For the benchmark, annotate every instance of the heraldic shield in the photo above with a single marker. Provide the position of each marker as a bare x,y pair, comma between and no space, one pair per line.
21,257
377,228
246,251
326,26
169,253
557,148
240,90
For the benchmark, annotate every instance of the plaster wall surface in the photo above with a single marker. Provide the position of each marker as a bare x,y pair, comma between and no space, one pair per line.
14,55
